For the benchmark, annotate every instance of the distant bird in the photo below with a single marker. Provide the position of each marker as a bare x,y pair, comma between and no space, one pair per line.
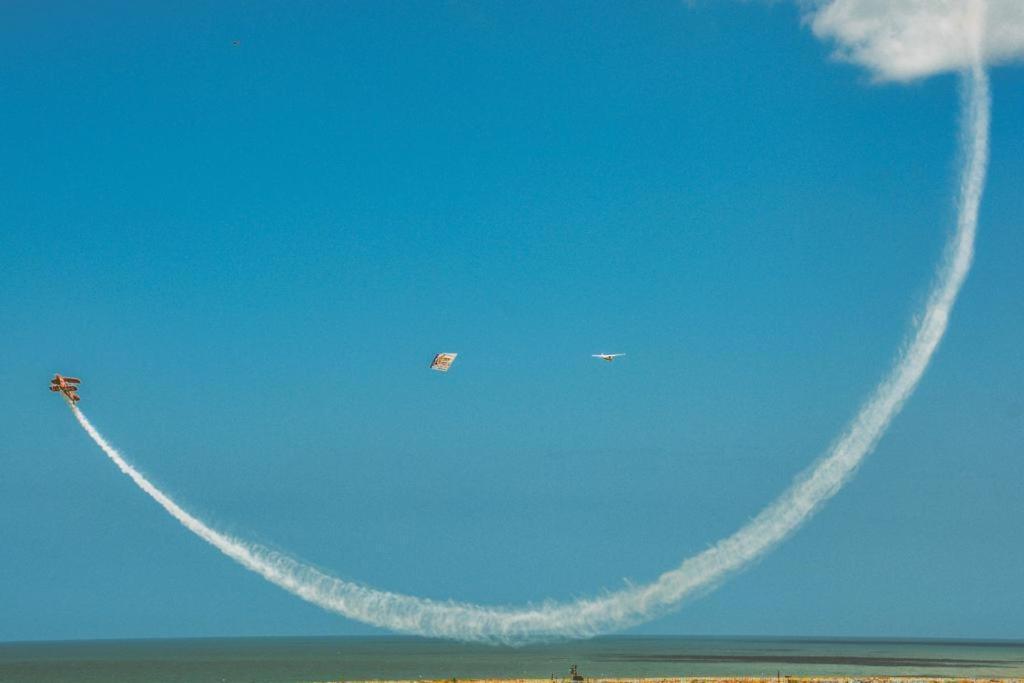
607,356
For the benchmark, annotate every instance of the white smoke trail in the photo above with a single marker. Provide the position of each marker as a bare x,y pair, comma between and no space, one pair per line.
702,572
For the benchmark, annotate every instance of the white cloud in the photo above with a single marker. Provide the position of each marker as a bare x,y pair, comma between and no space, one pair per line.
901,40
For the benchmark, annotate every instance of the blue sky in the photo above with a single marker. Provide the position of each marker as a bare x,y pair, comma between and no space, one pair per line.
249,254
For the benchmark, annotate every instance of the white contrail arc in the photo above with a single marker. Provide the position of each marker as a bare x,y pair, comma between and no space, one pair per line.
616,610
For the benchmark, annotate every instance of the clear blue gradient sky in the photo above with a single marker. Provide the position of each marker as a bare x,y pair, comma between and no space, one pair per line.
249,254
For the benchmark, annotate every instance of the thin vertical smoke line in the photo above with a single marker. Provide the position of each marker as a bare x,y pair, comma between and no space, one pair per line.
700,573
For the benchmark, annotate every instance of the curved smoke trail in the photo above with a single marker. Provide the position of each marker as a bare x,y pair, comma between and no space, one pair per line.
701,572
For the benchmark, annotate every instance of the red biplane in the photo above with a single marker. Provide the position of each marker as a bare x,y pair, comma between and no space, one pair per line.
67,386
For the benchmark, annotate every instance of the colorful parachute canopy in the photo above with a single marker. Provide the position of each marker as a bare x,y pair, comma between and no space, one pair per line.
443,361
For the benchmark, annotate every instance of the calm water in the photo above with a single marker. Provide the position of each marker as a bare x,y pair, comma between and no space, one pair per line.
330,658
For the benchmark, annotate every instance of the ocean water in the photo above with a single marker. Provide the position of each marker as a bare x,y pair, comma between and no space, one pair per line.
347,658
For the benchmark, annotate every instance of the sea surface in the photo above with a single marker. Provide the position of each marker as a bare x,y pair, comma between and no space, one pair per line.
362,658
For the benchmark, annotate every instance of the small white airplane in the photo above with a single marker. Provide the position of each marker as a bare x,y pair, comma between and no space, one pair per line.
443,361
607,356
